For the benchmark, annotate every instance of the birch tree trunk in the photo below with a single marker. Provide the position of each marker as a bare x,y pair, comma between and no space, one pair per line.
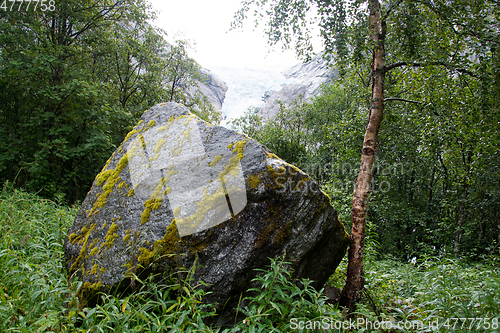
461,218
353,288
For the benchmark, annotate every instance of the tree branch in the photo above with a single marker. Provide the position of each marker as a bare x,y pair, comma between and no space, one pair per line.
101,14
432,63
401,100
396,65
389,10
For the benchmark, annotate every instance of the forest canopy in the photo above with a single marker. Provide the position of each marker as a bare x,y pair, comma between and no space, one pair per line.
74,79
436,177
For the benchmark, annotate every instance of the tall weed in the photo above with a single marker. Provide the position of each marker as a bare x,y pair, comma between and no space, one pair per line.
428,295
33,287
434,295
281,304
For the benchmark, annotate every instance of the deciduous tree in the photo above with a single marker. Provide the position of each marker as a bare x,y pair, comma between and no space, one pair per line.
74,79
408,35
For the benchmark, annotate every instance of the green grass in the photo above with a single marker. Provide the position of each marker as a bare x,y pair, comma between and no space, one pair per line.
33,287
36,295
442,294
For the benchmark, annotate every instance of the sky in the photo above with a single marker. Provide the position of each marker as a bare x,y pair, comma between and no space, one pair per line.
206,24
242,58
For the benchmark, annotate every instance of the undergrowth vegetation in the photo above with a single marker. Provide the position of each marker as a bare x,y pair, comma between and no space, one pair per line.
425,295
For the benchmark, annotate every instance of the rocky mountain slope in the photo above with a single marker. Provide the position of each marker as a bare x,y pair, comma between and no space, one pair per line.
308,79
214,88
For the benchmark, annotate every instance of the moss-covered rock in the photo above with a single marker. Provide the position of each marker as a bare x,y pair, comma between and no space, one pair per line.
178,191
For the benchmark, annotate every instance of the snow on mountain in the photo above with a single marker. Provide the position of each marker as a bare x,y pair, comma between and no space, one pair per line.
247,86
260,88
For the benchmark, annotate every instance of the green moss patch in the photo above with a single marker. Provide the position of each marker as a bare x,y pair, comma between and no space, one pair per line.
88,291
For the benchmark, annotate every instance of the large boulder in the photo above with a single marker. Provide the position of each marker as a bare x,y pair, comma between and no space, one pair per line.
179,192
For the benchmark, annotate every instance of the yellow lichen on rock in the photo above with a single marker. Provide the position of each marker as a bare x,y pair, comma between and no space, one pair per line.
161,247
82,239
215,161
177,211
238,148
152,159
132,132
111,177
273,156
254,181
149,206
233,167
188,117
186,133
94,269
158,146
169,123
176,152
207,203
103,176
126,237
155,201
82,235
110,237
151,124
93,252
